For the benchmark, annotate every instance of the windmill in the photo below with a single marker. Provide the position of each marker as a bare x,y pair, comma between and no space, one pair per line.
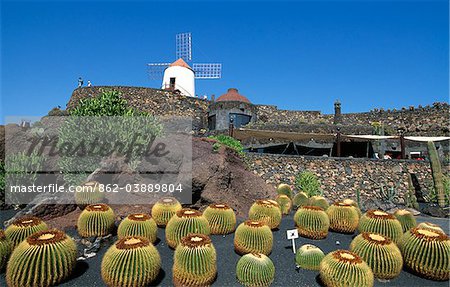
181,74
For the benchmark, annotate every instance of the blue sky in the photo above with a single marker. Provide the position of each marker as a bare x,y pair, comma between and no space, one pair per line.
296,54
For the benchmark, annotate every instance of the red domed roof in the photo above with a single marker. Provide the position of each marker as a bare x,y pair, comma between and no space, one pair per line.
180,63
233,95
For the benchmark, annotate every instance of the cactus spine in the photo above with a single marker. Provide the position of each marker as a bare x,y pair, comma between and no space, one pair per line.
96,220
285,189
194,261
131,261
343,217
427,253
255,269
138,224
430,226
285,203
380,253
319,201
377,221
345,268
309,257
300,199
312,222
23,227
437,174
253,237
89,194
164,209
45,258
5,250
221,218
185,221
406,218
267,211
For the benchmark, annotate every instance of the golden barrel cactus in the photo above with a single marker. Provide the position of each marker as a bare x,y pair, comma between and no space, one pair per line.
377,221
343,217
285,189
319,201
354,204
96,220
138,224
184,222
5,250
406,218
300,199
267,211
312,222
253,237
164,209
285,203
430,226
255,269
89,193
23,227
221,218
309,257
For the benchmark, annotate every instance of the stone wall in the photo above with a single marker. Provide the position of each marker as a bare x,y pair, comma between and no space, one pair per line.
271,114
339,177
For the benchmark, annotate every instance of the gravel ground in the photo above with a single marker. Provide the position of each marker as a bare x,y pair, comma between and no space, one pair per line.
88,272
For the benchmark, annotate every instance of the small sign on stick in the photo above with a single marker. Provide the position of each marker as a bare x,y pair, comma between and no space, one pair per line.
292,234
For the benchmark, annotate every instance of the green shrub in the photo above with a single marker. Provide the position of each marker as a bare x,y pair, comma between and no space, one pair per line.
308,182
229,142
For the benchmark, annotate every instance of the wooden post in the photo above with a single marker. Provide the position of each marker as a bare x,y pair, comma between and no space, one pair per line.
231,128
338,142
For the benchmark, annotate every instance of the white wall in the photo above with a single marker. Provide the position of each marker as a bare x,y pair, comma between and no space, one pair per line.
184,80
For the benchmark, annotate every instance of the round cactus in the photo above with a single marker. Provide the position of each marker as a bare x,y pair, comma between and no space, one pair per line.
406,218
194,261
23,227
253,237
267,211
345,268
96,220
164,209
285,189
89,194
185,221
377,221
430,226
354,204
343,217
426,252
319,201
5,250
45,258
380,253
138,224
131,261
309,256
285,203
300,199
312,222
221,218
255,269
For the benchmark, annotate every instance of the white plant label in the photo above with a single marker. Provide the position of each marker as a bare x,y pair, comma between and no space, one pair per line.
292,234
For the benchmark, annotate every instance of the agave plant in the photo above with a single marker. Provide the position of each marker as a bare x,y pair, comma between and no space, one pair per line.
253,237
96,220
184,222
345,268
312,222
426,252
285,203
221,218
164,209
45,258
300,199
406,218
255,269
23,227
138,224
285,189
319,201
89,194
194,261
380,253
5,250
430,226
343,217
377,221
267,211
131,261
309,257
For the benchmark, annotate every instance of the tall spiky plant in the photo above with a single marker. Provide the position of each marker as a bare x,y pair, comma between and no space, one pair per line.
436,173
23,227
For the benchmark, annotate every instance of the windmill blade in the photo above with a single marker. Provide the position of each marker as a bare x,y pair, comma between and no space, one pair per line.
207,70
156,70
184,46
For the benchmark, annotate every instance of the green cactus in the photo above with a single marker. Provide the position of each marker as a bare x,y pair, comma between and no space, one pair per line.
319,201
267,211
343,268
185,221
138,224
221,218
300,199
131,261
354,204
164,209
89,194
430,226
45,258
194,261
96,220
427,253
23,227
309,256
253,237
410,195
285,189
343,217
285,203
406,218
377,221
437,174
5,250
380,253
255,269
312,222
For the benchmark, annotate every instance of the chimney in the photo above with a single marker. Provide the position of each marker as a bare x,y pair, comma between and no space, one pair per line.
337,112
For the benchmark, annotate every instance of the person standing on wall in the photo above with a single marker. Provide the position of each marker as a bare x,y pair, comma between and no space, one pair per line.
80,82
89,84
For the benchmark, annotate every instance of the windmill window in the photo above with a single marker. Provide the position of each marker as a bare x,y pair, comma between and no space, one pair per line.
172,83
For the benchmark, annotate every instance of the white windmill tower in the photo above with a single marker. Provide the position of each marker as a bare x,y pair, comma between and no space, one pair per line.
181,76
